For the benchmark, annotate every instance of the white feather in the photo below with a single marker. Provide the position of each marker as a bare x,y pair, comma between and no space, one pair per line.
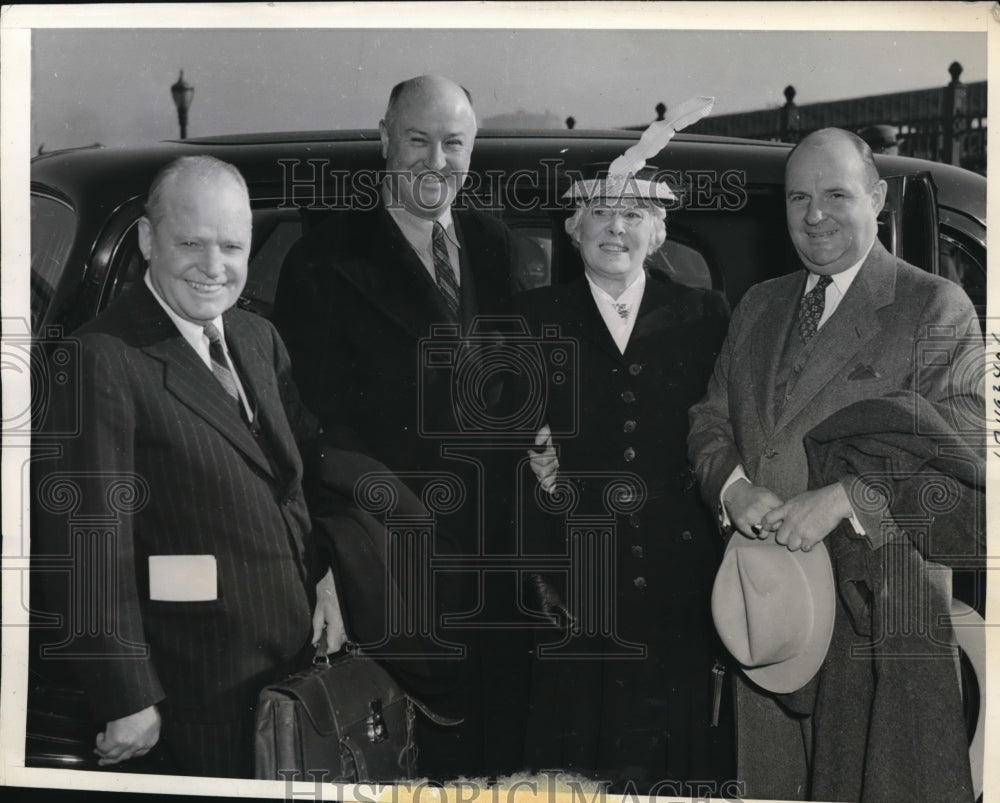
655,138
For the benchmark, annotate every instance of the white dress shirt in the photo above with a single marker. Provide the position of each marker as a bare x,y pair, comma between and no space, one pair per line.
194,334
418,232
836,290
618,325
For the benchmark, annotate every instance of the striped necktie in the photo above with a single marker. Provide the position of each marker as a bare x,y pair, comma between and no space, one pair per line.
443,272
220,366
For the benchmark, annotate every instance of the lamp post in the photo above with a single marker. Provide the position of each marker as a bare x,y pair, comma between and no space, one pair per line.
182,93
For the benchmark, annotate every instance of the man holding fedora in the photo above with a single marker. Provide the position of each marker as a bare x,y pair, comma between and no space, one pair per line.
840,405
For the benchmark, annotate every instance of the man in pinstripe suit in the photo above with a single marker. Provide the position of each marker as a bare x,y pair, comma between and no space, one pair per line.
210,581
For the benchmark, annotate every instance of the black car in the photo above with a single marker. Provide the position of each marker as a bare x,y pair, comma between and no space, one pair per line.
725,232
85,204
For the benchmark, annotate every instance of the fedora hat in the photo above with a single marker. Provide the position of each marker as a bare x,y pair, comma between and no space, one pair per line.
774,610
970,633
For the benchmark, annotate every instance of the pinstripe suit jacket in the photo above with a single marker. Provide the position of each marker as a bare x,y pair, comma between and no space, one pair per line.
206,485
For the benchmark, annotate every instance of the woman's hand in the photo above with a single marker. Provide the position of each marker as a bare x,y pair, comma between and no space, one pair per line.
544,463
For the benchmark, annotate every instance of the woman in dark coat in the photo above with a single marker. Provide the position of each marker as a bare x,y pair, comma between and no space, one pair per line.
624,687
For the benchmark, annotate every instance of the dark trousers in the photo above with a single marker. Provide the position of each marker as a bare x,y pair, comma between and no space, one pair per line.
210,749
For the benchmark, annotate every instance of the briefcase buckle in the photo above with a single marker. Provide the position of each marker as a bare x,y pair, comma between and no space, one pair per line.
377,730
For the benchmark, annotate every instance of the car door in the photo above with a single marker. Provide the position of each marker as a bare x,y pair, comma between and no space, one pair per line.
908,224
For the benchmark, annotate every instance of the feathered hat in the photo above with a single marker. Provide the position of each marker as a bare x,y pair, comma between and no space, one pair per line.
627,176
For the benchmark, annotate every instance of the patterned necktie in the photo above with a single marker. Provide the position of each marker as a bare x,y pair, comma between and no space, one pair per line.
443,273
622,310
811,309
220,366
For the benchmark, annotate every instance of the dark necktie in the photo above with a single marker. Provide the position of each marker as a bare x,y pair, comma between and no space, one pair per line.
443,273
811,309
220,366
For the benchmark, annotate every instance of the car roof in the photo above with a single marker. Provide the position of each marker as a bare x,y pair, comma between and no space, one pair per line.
104,177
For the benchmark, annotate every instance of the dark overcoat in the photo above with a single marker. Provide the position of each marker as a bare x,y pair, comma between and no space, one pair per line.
380,360
639,707
356,308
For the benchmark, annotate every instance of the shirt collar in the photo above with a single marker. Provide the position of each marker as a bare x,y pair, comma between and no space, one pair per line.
192,332
843,280
628,295
418,230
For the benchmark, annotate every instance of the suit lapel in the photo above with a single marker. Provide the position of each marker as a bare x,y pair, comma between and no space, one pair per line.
256,367
388,272
768,343
655,313
854,323
187,378
584,319
469,288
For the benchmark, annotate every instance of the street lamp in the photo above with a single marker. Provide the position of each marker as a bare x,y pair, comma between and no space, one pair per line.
182,93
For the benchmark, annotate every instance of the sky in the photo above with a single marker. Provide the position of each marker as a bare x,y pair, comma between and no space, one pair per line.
113,85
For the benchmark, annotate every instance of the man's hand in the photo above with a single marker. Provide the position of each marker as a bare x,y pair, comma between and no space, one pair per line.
805,520
544,463
128,737
747,505
327,615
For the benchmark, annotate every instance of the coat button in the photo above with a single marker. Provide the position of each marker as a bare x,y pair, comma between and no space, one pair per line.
637,551
635,369
770,453
686,535
629,454
629,426
639,582
628,396
634,520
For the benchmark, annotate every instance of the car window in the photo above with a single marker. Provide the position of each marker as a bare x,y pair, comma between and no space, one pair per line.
964,263
53,224
127,264
724,249
682,264
275,231
532,247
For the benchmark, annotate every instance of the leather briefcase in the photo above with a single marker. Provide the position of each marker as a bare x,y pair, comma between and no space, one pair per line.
340,721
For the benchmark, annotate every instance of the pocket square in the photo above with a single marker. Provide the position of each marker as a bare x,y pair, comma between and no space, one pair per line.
863,372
